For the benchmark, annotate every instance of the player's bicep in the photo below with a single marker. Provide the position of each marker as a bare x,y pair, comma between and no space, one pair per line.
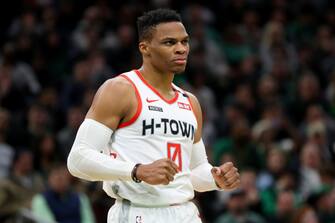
111,102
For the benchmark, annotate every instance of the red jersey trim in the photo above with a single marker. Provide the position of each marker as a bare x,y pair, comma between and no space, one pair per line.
173,100
139,105
189,100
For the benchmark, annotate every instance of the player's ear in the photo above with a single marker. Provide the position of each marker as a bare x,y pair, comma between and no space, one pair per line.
144,48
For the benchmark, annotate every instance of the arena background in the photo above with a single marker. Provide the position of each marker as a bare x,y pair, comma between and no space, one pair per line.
264,72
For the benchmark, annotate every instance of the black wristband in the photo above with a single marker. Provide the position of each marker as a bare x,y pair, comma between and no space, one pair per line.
133,174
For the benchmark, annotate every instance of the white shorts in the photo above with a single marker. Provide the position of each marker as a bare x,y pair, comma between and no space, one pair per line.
124,212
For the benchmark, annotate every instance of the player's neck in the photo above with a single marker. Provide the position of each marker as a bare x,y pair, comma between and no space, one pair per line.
159,80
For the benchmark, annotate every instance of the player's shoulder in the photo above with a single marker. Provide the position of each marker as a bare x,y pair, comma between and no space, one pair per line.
195,103
118,84
181,90
190,95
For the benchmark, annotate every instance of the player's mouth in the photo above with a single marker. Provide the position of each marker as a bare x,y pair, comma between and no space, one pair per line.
180,61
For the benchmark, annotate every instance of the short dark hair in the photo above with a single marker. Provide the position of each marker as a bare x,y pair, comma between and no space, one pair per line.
147,22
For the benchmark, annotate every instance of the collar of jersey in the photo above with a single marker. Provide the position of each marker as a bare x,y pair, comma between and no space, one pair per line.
171,101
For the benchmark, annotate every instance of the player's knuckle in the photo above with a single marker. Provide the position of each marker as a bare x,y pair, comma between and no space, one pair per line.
237,183
166,165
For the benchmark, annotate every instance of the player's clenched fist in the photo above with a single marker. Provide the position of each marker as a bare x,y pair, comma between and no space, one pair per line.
159,172
226,176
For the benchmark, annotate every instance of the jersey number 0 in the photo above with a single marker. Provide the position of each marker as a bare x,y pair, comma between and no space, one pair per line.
174,153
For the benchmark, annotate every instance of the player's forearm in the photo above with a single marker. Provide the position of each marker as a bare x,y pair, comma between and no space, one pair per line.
202,179
86,159
201,176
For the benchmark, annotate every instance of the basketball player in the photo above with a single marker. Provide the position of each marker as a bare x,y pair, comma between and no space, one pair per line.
142,134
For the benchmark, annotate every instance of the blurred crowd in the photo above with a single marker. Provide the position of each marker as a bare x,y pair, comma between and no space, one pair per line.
264,72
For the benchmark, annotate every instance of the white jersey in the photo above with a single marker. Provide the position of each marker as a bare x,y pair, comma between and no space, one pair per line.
160,129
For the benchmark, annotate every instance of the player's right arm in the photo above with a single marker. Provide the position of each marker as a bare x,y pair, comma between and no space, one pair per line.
86,159
114,102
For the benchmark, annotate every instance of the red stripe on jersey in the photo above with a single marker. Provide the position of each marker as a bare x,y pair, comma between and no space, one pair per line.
189,100
171,101
139,105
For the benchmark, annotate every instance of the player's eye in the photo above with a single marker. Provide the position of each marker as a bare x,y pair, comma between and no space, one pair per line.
169,42
185,41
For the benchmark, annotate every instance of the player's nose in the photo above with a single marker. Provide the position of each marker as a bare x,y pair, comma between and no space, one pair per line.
181,48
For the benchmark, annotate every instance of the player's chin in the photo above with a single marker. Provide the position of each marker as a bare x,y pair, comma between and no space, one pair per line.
179,69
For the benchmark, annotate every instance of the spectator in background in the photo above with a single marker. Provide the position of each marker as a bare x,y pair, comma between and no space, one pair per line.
205,43
322,201
51,70
243,96
231,112
86,36
39,122
284,79
306,58
25,131
274,180
274,47
66,136
18,189
49,100
9,93
22,74
46,154
26,23
76,86
247,71
250,29
235,47
122,53
325,52
319,128
238,147
285,207
330,93
267,91
59,203
100,70
276,164
6,151
249,185
238,211
280,200
308,92
305,214
310,163
274,127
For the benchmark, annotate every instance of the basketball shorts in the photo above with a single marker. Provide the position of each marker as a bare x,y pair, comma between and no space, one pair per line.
124,212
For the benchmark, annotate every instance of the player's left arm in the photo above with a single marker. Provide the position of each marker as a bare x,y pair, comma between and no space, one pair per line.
204,176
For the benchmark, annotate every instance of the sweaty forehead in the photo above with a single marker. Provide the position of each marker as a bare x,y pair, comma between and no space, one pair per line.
170,30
